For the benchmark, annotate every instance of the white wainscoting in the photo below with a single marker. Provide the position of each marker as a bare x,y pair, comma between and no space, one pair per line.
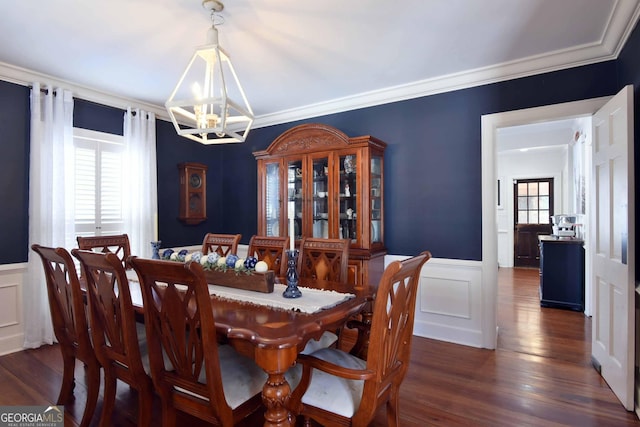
449,304
505,253
11,320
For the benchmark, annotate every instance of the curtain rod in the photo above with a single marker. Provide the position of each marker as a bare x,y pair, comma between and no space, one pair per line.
43,90
46,92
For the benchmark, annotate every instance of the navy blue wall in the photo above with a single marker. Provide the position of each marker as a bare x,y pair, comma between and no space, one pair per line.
432,163
98,117
14,172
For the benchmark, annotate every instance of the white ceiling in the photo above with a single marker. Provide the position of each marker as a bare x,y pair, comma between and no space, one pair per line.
299,59
553,136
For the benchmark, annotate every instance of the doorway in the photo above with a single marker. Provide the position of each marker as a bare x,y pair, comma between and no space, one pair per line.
612,126
490,126
533,207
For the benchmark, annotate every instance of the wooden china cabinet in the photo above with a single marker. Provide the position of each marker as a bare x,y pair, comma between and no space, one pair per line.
332,186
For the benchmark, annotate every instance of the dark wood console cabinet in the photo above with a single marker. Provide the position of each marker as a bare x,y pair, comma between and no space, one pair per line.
562,272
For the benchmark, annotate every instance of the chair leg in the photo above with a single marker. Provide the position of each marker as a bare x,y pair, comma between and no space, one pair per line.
108,401
393,412
168,414
92,371
68,379
145,402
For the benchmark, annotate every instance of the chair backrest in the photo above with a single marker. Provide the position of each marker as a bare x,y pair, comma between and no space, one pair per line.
66,301
392,328
113,323
181,336
326,259
222,244
117,244
271,250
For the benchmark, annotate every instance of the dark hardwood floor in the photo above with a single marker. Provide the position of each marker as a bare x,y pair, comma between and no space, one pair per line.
540,374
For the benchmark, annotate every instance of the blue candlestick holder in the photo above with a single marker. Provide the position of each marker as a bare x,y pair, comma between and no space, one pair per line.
292,290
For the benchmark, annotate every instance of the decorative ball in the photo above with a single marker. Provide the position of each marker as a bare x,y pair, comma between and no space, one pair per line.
231,260
239,263
188,257
250,262
221,261
261,267
204,260
167,253
182,255
196,256
213,258
174,256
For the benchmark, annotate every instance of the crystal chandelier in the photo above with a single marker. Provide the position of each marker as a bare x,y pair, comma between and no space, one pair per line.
208,104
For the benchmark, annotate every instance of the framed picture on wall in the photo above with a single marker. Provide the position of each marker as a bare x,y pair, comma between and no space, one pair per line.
500,194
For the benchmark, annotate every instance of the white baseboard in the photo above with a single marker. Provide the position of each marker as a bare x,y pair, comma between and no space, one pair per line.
452,334
11,344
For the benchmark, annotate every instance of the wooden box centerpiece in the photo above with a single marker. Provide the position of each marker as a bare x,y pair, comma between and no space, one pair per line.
254,281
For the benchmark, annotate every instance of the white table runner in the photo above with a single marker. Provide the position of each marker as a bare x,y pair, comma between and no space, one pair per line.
312,299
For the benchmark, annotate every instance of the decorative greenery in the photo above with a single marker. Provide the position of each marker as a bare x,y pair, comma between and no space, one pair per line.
213,261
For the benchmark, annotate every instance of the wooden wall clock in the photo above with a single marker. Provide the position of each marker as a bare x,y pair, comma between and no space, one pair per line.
193,192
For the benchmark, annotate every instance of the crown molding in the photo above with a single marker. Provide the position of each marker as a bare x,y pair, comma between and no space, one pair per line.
621,23
25,77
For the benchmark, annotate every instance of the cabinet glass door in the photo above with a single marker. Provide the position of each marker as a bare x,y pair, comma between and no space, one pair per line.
348,203
272,199
294,197
376,199
320,197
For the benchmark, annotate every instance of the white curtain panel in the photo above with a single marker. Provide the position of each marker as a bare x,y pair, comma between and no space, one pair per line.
50,200
141,202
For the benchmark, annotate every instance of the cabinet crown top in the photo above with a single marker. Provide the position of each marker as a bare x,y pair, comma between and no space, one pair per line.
315,137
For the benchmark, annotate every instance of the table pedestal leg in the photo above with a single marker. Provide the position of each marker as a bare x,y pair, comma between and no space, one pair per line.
275,396
276,391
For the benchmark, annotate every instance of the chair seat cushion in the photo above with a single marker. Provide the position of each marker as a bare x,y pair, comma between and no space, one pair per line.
331,393
326,340
142,345
241,377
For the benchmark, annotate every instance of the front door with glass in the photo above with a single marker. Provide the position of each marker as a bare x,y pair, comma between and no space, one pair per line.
533,204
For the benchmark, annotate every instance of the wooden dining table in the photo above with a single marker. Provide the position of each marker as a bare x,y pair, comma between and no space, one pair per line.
274,337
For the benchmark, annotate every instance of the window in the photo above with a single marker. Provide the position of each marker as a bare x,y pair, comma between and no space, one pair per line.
534,201
98,183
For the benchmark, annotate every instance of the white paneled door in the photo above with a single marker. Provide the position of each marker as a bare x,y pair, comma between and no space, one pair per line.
613,244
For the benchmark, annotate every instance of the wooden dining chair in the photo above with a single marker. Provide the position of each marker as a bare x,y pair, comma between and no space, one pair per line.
117,244
325,259
118,340
70,326
271,250
222,244
337,388
190,371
